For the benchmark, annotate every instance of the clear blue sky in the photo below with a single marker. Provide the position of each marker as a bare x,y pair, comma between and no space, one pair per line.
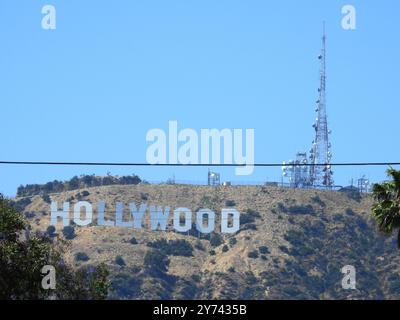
91,89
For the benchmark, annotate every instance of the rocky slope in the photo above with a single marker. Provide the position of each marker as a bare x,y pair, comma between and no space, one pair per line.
292,244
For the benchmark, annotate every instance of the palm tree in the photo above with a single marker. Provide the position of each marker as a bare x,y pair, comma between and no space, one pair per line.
386,209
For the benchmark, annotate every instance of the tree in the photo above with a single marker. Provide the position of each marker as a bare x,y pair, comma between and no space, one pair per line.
178,247
69,232
120,261
156,262
81,256
51,231
22,259
74,183
386,209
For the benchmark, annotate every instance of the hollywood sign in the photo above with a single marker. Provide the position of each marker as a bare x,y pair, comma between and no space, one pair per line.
159,217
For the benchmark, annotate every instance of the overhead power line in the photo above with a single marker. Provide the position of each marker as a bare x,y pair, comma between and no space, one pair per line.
145,164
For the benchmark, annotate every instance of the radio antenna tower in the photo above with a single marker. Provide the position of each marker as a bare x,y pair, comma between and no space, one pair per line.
321,175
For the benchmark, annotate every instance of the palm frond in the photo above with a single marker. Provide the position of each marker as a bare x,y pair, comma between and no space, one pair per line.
395,174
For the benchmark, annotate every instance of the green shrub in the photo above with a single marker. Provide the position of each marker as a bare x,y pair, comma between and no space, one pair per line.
250,279
284,249
316,199
126,286
338,217
301,251
119,261
303,210
133,240
225,248
253,254
295,238
46,198
196,277
144,196
281,207
136,269
74,183
85,193
51,231
21,204
30,214
199,246
263,249
179,247
69,232
156,261
230,203
249,226
81,256
22,258
249,216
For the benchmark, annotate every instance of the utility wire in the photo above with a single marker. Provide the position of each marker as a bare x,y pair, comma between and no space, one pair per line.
143,164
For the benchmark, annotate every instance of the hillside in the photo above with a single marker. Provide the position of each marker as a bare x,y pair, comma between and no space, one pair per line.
292,244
